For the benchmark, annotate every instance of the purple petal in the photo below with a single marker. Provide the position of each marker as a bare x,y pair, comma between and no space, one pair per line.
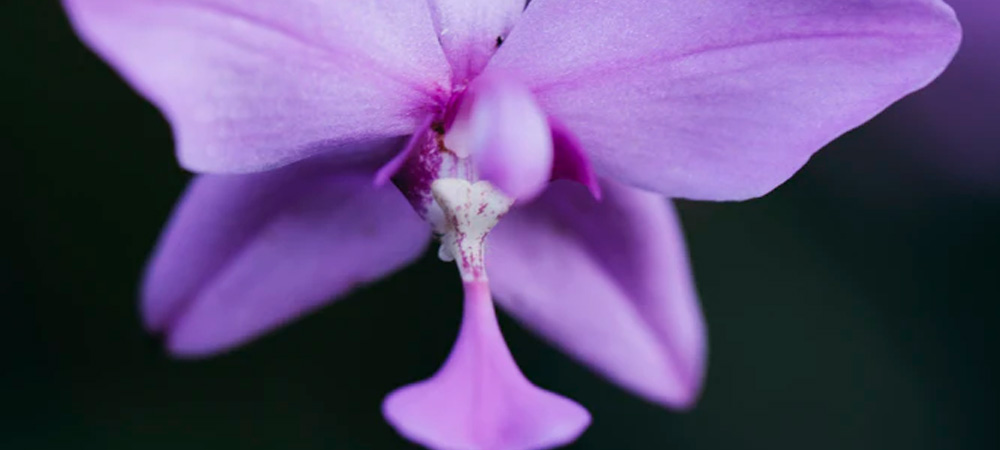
722,99
471,30
479,399
500,127
244,254
608,282
254,84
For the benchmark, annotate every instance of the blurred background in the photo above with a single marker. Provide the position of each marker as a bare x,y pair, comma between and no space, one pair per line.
853,308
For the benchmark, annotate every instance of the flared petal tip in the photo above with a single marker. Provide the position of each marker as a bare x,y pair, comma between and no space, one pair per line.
186,347
177,338
687,400
673,395
533,419
681,391
687,393
188,336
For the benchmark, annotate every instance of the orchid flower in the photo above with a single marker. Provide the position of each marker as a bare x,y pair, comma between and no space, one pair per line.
562,124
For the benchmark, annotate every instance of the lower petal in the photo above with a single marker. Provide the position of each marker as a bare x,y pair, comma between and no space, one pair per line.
480,399
244,254
609,283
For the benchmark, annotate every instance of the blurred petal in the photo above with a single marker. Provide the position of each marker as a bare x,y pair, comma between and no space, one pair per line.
469,30
254,84
951,127
502,130
722,99
608,282
244,254
479,399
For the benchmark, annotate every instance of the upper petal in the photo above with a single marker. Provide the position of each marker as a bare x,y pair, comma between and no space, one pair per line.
471,30
244,254
722,99
253,84
608,282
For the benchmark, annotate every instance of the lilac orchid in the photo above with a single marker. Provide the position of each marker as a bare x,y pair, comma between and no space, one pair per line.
567,119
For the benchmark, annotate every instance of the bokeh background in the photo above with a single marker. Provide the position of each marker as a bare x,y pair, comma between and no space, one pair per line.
853,308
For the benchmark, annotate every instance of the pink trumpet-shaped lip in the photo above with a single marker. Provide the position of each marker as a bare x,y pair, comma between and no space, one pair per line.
479,399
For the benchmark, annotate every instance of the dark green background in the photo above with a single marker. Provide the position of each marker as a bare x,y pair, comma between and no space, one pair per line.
853,308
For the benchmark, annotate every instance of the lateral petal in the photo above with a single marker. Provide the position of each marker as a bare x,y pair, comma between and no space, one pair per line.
607,281
250,85
721,99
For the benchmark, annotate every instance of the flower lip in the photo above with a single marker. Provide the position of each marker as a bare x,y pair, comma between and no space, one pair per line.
479,399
